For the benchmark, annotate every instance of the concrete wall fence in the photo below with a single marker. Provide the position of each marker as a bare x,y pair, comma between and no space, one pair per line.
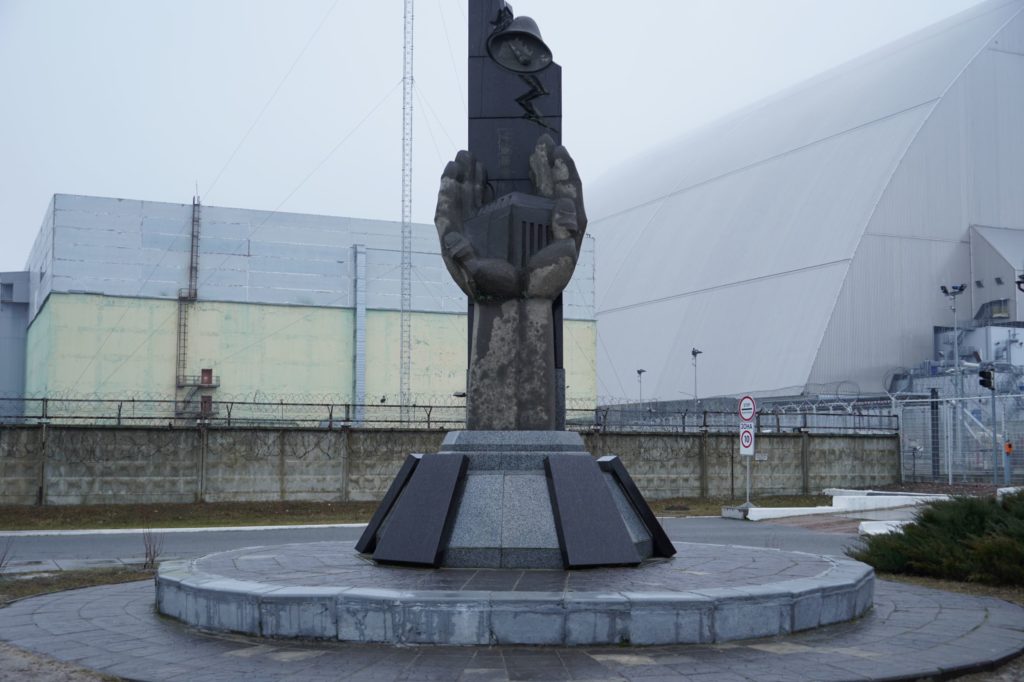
58,465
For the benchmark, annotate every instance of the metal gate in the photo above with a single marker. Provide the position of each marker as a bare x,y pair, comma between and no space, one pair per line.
951,440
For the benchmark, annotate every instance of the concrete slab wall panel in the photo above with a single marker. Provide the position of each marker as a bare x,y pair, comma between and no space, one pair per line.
97,465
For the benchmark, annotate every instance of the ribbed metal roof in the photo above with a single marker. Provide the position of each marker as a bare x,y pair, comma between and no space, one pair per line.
737,239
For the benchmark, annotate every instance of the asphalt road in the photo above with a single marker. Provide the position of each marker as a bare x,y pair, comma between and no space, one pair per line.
70,551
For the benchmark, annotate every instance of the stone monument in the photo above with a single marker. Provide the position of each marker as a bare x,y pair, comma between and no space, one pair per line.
514,490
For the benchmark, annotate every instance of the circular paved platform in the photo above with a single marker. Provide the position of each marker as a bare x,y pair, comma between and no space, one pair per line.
707,593
910,633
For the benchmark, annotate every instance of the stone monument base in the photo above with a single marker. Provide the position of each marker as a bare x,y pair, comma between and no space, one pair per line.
538,543
710,593
513,499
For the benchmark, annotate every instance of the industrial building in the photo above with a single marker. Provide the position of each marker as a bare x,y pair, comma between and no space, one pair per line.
125,298
800,244
13,328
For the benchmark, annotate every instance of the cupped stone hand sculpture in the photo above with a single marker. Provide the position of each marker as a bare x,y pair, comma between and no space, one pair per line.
486,277
512,256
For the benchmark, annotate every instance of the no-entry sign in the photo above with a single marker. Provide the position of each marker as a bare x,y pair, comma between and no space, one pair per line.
748,408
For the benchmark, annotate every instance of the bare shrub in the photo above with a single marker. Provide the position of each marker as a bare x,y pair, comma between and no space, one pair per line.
154,546
6,553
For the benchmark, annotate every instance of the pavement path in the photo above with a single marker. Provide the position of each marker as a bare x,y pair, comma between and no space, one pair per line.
911,633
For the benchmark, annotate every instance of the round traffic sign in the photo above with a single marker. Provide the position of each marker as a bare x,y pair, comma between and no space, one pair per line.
746,439
747,408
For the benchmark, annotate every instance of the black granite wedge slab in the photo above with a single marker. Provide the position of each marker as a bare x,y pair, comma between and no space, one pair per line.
368,540
590,530
419,525
663,547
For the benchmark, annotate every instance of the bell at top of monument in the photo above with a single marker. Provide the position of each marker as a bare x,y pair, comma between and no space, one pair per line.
517,45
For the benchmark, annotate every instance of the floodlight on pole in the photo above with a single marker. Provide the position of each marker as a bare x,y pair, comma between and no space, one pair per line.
695,352
640,382
951,292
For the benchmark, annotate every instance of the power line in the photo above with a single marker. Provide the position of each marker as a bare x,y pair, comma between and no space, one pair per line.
327,158
611,362
117,324
139,347
451,56
433,138
295,321
337,146
146,279
273,95
437,119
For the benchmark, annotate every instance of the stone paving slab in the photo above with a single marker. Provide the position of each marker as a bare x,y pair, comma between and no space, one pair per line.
325,590
910,633
696,567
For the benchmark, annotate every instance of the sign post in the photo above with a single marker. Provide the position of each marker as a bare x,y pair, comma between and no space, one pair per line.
747,410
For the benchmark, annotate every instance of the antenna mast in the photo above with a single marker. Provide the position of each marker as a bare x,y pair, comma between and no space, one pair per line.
406,322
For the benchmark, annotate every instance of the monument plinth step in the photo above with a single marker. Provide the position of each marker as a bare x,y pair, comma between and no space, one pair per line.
513,499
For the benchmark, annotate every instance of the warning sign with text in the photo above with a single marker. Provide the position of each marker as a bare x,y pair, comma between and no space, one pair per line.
747,439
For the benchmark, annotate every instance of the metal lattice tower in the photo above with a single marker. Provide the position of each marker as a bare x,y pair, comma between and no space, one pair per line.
406,323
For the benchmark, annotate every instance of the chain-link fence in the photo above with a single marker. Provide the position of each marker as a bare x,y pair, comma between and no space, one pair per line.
632,418
962,441
234,413
334,415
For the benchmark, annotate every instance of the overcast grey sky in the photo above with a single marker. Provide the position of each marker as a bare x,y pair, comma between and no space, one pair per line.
145,99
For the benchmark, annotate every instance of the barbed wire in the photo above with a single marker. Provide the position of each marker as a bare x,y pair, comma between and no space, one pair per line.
281,413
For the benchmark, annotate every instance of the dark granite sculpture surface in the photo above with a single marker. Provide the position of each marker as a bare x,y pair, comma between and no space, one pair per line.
502,196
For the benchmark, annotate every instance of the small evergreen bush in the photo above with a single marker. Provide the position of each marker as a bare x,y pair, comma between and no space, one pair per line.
1014,505
966,539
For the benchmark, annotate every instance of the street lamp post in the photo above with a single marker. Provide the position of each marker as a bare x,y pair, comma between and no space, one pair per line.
695,352
640,381
951,293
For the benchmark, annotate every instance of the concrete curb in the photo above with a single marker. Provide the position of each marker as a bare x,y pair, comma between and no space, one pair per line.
140,531
880,527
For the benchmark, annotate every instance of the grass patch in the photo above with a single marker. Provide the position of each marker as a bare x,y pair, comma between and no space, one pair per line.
208,514
696,506
18,586
966,539
196,515
1010,593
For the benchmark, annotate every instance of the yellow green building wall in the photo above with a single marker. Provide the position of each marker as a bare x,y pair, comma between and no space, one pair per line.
287,352
121,347
86,345
438,362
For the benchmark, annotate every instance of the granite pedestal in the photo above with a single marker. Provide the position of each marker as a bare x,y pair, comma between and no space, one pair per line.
709,593
512,537
513,499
